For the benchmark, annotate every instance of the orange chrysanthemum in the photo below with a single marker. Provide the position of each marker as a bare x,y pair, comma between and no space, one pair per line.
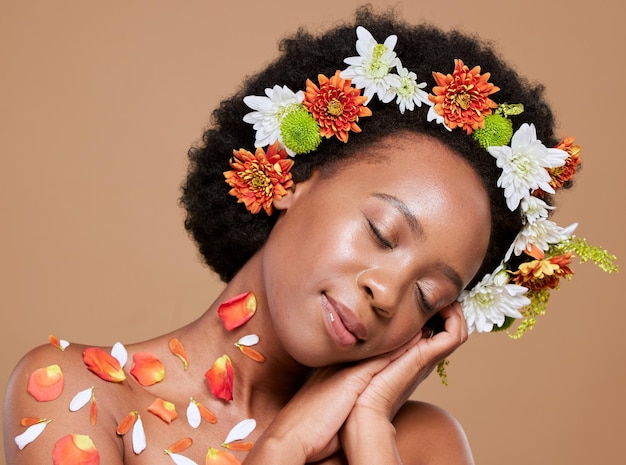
147,368
462,98
220,378
103,364
46,384
257,179
543,273
237,310
75,449
336,105
562,174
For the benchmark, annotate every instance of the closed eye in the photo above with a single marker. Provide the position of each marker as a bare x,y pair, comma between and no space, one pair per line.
380,238
428,308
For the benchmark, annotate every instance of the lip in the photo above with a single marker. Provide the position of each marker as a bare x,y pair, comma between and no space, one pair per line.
342,323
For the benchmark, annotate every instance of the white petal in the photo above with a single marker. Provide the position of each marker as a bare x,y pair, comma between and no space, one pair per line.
139,436
181,460
524,135
193,414
568,231
118,351
81,399
555,157
257,102
241,430
249,340
31,433
390,42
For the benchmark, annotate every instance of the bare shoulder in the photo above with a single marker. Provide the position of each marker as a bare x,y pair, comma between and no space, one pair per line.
37,416
429,435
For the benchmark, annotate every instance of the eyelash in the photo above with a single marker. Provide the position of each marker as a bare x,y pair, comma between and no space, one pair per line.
380,238
425,304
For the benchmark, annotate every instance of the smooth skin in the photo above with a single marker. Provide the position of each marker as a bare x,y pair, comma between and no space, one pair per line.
356,265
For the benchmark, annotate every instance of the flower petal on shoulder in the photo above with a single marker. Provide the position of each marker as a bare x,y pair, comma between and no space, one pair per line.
147,368
220,457
75,448
60,344
119,352
31,433
139,436
81,399
104,365
241,430
46,384
180,459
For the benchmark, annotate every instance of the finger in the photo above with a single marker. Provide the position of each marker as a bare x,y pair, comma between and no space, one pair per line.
454,321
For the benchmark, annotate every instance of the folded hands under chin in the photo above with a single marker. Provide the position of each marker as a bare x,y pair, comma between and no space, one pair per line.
352,407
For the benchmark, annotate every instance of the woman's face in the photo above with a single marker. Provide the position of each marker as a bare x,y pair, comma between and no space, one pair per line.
360,260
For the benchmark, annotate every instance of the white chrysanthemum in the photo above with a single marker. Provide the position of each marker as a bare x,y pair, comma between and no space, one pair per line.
534,208
436,117
524,165
541,233
269,112
371,70
491,300
409,93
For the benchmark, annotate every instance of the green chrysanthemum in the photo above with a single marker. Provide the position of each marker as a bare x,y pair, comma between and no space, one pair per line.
299,131
498,131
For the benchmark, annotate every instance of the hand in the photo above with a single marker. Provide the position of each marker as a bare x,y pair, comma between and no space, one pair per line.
335,394
305,430
390,388
368,435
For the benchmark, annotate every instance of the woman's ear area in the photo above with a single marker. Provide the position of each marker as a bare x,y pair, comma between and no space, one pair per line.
286,200
294,192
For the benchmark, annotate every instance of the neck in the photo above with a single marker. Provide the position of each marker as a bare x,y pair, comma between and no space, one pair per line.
257,385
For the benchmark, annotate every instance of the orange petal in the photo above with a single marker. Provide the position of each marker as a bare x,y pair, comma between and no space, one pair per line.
220,457
236,311
103,364
535,252
178,349
30,421
206,414
220,378
93,411
179,446
163,409
58,343
147,368
46,384
239,445
252,353
126,423
75,449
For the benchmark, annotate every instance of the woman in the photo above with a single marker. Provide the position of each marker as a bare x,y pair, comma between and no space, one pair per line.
343,284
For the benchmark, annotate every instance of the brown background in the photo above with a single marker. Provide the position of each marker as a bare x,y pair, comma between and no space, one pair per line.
99,102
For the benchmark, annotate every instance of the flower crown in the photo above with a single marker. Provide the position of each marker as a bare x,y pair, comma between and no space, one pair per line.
289,124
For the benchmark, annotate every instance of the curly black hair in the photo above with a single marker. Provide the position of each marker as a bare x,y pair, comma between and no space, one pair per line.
227,235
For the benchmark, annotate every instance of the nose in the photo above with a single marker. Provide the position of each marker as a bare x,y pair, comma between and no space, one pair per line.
383,290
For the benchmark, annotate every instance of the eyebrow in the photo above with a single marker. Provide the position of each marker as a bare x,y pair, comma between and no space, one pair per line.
416,227
404,210
452,275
